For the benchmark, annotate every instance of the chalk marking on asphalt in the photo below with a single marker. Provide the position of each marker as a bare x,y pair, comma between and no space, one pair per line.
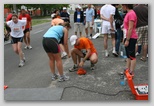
38,31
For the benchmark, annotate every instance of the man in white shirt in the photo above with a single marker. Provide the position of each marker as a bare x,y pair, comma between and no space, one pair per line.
108,26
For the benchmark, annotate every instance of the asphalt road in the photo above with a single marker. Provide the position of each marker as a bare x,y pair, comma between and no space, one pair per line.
101,84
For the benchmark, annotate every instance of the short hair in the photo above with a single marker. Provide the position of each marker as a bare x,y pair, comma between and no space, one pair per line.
15,15
130,6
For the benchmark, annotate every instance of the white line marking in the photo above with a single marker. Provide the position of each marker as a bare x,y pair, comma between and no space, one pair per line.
38,31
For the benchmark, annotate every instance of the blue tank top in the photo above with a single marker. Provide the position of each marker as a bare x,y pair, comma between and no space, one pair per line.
55,32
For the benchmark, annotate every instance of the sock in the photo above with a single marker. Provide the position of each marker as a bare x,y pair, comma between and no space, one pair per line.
113,48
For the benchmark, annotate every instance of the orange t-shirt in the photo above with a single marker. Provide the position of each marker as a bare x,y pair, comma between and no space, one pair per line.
85,43
56,21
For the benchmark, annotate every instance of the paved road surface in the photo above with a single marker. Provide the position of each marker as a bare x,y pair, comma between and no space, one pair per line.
36,74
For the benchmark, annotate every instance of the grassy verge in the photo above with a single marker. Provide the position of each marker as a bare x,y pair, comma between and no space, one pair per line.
39,21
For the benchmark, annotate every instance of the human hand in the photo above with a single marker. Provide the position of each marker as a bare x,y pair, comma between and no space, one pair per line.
81,64
126,43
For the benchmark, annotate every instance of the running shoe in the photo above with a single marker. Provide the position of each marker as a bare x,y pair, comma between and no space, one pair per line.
26,47
22,63
74,68
63,78
92,66
54,77
29,47
114,53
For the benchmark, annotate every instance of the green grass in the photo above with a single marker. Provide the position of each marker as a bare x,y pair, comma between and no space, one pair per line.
39,21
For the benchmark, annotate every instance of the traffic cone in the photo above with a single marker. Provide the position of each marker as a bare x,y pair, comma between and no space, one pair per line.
5,87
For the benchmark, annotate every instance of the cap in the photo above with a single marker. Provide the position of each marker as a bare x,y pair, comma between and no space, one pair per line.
73,39
23,7
64,8
78,7
52,15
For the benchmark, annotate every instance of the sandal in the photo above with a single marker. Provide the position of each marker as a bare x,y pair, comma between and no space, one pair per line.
143,59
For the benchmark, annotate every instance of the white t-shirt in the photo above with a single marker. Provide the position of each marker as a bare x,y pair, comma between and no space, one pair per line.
106,11
16,28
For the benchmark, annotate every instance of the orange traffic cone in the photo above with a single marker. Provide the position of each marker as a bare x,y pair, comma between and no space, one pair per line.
5,87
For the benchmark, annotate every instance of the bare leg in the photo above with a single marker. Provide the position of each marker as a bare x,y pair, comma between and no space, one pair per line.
94,58
76,53
128,63
15,48
58,63
133,64
20,50
105,41
113,40
51,63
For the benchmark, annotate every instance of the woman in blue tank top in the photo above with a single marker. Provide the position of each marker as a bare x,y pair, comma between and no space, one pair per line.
51,40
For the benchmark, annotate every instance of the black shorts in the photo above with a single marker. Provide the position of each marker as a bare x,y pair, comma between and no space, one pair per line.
50,45
26,30
130,49
16,40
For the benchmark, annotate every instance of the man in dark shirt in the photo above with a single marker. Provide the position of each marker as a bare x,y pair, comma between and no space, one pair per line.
64,15
142,28
78,20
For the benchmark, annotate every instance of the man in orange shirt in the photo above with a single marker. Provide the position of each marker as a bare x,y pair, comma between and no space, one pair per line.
25,16
83,48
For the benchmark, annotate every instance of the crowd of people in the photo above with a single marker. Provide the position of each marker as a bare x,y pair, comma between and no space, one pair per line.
130,29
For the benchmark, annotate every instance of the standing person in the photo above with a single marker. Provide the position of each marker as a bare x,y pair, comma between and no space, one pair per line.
64,15
89,20
27,28
142,28
17,36
50,43
83,48
118,22
78,20
130,22
57,21
108,27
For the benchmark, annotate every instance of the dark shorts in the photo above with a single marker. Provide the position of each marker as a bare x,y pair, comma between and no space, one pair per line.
50,45
16,40
130,49
26,30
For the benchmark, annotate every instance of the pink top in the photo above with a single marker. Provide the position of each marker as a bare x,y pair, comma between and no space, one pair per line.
131,16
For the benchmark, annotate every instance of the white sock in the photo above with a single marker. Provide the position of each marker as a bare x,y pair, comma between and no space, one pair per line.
113,48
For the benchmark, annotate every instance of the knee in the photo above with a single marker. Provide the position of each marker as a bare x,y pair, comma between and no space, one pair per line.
94,61
73,50
15,50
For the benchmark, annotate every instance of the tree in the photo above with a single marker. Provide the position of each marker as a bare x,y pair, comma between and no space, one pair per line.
43,7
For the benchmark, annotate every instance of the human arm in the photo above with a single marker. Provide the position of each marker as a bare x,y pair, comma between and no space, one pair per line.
85,58
129,32
66,41
111,19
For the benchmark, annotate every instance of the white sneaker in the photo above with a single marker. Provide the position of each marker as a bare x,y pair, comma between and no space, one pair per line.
147,55
64,55
29,47
106,54
114,53
22,63
137,54
26,47
63,78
